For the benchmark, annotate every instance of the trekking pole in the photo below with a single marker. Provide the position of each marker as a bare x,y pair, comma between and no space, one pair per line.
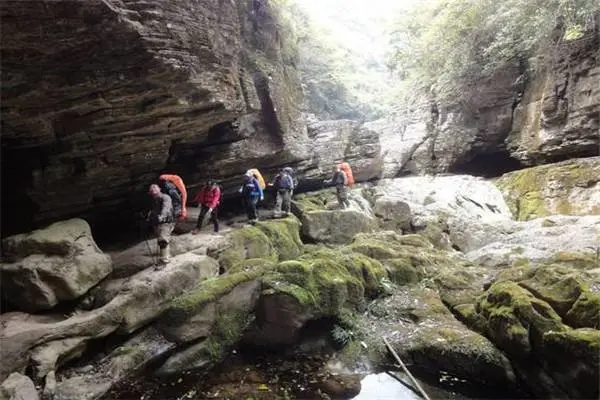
412,378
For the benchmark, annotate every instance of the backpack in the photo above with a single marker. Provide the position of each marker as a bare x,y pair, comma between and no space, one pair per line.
292,173
179,202
286,182
348,171
256,173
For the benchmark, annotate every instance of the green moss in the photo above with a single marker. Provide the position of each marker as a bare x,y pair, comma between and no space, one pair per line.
269,240
585,340
415,241
558,286
207,292
315,201
402,272
579,260
252,265
585,312
523,190
466,313
284,235
514,317
226,332
328,280
245,243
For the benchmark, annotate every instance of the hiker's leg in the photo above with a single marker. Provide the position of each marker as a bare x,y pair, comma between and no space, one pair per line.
164,238
214,217
340,198
253,210
278,202
287,197
203,211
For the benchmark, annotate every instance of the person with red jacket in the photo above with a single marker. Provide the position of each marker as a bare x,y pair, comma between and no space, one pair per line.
208,198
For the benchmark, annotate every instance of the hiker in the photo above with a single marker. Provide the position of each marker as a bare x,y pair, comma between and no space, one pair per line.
340,181
162,219
290,171
283,185
251,194
208,198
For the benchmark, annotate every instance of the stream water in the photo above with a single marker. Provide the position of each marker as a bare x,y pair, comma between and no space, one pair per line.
251,376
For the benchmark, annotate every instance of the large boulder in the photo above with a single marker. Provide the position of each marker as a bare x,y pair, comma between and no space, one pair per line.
469,211
274,240
556,238
424,332
323,221
18,387
123,307
51,265
569,188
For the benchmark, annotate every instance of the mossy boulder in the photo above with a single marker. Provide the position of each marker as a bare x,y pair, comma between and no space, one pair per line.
315,201
585,312
323,283
558,286
567,188
573,359
196,314
269,240
423,331
515,319
336,226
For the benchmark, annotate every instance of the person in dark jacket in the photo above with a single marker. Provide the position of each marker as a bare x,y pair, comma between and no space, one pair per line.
340,181
208,198
251,194
283,185
163,220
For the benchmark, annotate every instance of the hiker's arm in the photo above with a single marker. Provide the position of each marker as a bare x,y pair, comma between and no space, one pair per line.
260,191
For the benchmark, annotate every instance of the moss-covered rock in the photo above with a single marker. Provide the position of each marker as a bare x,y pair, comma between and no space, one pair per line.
558,286
573,359
563,188
315,201
585,312
336,226
284,235
269,240
515,319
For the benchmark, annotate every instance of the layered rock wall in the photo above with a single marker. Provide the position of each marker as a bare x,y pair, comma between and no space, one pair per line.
99,97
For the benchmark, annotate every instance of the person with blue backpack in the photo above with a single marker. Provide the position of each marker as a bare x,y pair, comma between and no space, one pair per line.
251,194
284,186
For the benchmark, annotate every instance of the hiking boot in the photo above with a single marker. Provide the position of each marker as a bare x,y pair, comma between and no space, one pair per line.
196,231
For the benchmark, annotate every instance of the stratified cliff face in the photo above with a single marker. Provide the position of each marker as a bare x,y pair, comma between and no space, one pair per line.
559,117
507,122
100,96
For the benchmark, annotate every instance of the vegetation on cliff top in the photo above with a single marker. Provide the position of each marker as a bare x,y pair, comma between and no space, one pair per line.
446,44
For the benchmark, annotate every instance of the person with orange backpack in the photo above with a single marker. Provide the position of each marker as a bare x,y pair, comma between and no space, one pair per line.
340,181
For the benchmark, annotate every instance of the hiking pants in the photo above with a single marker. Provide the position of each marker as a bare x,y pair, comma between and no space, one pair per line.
250,203
163,235
284,197
341,192
213,217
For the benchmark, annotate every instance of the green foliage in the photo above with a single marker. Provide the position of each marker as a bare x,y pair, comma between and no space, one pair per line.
445,44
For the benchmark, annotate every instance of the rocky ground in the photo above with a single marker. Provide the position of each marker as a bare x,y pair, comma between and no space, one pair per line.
438,265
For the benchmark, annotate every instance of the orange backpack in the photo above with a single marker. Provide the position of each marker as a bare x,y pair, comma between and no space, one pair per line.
348,171
178,182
